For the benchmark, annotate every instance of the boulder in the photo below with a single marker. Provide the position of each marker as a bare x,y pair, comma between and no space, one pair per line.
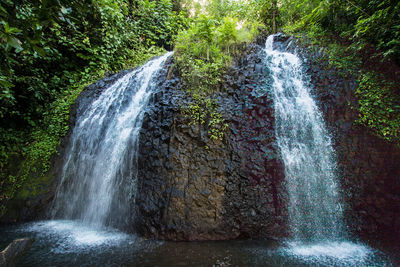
14,251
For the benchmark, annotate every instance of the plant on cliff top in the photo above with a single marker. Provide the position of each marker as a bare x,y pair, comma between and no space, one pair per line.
203,53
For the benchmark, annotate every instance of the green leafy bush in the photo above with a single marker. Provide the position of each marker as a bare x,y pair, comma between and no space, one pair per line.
199,58
204,111
379,106
203,53
364,22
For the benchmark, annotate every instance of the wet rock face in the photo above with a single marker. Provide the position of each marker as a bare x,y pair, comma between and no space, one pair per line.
14,251
369,167
190,187
193,188
235,188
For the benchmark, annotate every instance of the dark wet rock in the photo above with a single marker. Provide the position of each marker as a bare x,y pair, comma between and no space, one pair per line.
14,251
207,189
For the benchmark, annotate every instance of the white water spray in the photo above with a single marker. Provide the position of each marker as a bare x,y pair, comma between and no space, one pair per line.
315,210
306,148
99,175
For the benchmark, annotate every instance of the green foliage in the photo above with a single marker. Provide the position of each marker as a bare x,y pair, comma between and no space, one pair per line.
202,65
379,23
228,34
41,52
379,106
204,52
209,39
364,22
157,24
199,56
250,11
204,111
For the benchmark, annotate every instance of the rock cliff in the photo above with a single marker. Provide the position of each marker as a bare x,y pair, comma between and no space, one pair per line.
191,187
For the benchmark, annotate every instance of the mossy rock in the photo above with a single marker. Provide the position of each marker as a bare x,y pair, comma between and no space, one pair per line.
30,199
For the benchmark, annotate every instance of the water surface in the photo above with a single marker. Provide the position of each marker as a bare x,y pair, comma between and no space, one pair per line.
71,243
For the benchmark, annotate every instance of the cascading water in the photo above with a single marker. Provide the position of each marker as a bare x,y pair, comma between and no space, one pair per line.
306,149
315,212
98,186
98,178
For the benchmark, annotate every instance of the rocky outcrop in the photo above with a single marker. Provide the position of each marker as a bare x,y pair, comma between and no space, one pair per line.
14,251
236,188
190,187
193,188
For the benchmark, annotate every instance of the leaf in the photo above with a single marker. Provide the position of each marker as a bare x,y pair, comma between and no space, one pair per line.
65,10
10,30
14,42
39,50
2,9
5,83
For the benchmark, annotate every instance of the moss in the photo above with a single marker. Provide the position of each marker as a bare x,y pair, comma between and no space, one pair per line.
204,111
35,186
379,106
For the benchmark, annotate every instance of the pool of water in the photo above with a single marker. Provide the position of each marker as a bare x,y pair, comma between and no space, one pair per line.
70,243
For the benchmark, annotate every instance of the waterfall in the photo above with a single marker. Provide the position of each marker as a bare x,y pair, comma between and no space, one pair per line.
315,212
99,174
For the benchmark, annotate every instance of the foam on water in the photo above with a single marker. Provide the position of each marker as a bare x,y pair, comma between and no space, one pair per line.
70,243
70,235
338,250
327,253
